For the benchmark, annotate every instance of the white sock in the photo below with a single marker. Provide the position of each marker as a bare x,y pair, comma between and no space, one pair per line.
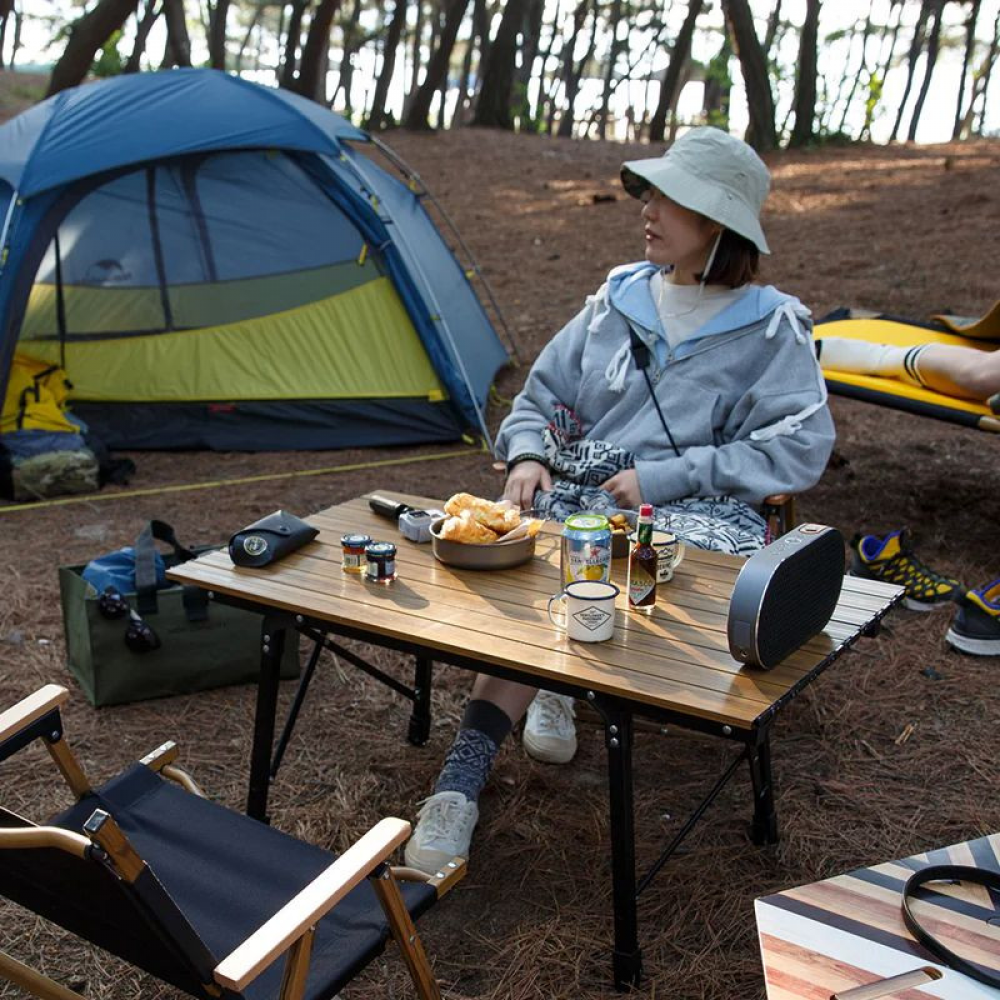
862,357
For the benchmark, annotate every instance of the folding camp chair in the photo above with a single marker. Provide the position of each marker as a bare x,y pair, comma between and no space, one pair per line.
197,895
982,334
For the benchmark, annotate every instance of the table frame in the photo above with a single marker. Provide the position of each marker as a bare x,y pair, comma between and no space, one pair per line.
617,715
616,708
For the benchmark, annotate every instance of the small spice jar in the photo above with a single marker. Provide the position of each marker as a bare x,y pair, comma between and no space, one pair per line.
353,552
381,558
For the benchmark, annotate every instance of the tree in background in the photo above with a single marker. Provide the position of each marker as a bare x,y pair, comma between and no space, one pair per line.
310,81
88,36
805,78
761,133
378,116
418,114
970,46
933,46
679,55
493,109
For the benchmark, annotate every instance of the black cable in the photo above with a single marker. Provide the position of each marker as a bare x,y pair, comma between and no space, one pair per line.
641,354
948,873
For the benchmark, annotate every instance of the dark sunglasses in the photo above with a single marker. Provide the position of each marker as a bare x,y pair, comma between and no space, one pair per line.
139,637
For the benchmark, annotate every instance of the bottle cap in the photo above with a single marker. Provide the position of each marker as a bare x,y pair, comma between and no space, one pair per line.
645,510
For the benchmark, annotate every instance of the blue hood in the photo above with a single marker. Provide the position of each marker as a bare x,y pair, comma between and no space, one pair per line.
628,292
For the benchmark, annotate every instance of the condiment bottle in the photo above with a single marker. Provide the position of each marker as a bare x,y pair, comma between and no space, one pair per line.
642,562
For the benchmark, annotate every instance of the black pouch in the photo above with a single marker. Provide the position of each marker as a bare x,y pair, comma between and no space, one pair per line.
270,539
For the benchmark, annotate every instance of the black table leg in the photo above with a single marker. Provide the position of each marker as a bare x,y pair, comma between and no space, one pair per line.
420,718
764,829
626,958
271,649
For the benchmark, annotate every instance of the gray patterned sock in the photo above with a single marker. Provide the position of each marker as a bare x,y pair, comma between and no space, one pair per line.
468,764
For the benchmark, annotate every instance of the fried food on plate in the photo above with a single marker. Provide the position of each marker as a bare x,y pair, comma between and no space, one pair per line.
495,516
465,528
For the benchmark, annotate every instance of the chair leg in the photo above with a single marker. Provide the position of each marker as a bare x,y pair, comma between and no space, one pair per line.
405,935
293,982
34,982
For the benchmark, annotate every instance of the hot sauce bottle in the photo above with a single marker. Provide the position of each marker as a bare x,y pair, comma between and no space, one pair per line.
642,564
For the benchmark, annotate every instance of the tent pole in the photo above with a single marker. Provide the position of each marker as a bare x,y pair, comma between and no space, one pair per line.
14,199
403,167
60,303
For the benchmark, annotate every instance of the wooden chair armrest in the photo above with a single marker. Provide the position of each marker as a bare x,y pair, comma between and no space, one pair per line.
777,499
30,709
21,838
443,880
312,903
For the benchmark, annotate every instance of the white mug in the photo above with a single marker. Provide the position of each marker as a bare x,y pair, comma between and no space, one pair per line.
590,610
669,552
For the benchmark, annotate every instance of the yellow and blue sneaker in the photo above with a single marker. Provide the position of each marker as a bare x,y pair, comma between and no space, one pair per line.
976,627
890,558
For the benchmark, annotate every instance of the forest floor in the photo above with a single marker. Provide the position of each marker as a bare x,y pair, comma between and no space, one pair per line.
908,230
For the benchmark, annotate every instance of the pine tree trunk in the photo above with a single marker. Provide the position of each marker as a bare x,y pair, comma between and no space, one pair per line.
988,63
573,74
805,78
418,113
353,36
539,111
217,35
615,20
970,45
863,68
311,79
933,46
149,16
715,102
177,51
772,29
531,38
379,114
566,60
493,108
678,58
753,66
6,6
916,46
293,37
87,37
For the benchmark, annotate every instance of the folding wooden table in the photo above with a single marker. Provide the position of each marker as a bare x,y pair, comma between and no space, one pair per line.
673,667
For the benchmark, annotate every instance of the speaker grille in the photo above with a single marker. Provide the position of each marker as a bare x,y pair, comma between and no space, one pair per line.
800,598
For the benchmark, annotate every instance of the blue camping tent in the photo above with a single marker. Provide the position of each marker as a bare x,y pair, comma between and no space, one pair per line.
218,264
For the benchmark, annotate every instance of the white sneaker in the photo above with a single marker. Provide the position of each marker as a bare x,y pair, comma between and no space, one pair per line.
444,831
550,732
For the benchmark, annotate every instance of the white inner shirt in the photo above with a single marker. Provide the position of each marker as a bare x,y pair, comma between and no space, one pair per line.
684,309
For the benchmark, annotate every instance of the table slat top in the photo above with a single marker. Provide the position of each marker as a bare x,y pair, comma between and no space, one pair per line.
676,659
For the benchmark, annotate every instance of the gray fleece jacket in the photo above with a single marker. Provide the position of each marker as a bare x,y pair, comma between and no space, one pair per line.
743,397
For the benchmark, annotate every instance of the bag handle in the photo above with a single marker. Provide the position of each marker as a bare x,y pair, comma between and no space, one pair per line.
145,571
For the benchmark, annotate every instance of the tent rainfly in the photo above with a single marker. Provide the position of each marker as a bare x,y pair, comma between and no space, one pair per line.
217,265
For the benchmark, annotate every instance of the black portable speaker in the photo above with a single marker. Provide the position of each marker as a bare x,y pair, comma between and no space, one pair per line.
785,594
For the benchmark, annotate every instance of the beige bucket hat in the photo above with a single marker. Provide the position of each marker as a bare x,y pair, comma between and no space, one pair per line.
711,172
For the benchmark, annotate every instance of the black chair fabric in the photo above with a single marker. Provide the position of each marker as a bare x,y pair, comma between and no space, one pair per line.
227,874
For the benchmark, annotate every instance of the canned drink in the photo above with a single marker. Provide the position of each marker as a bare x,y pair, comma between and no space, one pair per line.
585,553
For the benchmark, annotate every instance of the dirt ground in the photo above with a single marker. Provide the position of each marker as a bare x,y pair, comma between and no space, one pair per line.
907,230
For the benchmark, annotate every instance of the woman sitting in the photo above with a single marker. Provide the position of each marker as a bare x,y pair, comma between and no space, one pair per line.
681,383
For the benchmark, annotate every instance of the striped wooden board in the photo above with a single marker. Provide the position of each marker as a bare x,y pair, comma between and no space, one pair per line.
832,936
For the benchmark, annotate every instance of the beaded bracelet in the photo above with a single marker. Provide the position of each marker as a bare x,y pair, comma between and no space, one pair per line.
527,456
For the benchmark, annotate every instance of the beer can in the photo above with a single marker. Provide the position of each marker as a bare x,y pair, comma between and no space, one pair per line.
585,552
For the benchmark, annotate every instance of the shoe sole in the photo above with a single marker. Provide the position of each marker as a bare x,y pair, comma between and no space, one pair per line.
913,604
975,647
546,754
424,862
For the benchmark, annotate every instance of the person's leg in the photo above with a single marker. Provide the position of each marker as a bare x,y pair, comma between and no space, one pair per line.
965,372
960,371
448,817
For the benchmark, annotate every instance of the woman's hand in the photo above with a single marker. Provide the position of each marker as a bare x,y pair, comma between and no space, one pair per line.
522,482
624,487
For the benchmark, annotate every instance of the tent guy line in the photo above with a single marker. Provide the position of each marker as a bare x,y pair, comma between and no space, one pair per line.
265,477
